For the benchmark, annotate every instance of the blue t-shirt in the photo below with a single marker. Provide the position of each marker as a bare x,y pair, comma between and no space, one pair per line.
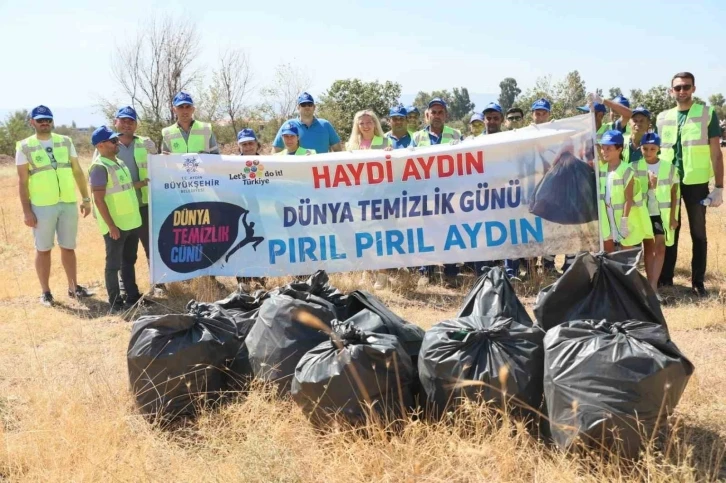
400,143
319,136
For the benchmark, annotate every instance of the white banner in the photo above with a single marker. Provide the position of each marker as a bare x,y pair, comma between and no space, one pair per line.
515,194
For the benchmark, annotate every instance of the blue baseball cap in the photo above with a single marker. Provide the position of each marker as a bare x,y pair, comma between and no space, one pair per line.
612,137
183,98
541,104
437,100
398,111
598,108
493,106
641,110
622,100
650,138
127,112
411,109
102,134
476,117
41,112
289,128
304,97
246,135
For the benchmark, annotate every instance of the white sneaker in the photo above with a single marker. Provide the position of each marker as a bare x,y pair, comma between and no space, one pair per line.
381,281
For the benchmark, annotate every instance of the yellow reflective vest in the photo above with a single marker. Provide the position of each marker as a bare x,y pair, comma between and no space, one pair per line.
48,186
120,198
695,148
198,141
639,225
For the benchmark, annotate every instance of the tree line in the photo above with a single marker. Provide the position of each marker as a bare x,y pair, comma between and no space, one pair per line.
163,59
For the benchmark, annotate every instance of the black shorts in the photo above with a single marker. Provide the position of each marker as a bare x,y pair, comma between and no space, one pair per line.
657,224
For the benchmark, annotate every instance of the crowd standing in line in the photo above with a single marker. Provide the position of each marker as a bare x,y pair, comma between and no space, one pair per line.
645,170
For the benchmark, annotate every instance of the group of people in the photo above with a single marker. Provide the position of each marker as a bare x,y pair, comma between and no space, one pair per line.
644,170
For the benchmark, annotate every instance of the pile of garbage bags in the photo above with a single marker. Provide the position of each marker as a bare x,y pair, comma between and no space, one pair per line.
597,361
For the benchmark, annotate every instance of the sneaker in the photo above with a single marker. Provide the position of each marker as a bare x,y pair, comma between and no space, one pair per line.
80,292
699,291
381,281
47,299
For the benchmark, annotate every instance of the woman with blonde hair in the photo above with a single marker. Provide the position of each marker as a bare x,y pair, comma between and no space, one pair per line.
366,132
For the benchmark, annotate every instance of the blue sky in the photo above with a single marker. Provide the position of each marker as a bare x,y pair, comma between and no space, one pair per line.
59,53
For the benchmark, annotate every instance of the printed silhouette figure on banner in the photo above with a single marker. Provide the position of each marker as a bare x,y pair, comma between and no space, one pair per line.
249,236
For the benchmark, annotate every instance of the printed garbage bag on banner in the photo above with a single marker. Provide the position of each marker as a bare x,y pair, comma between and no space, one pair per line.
176,362
492,358
492,295
600,287
351,370
566,194
283,334
368,313
611,384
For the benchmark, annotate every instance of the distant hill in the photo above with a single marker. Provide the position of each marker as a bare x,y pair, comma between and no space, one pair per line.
83,116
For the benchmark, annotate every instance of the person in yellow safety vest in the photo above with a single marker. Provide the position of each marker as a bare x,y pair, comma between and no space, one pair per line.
690,136
116,208
413,119
291,138
398,136
624,217
662,180
639,126
48,173
187,135
476,126
366,133
437,132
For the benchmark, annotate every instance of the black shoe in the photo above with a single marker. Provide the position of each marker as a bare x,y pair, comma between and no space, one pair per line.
81,292
117,309
699,291
665,283
47,299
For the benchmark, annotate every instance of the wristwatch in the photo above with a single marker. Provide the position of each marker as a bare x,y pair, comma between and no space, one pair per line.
86,200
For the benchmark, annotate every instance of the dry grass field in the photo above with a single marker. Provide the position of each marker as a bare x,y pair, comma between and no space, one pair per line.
66,413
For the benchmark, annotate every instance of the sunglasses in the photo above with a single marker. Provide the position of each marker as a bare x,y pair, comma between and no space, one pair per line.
514,118
112,141
44,121
684,87
306,104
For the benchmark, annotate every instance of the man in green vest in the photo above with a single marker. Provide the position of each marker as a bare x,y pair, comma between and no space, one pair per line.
437,132
117,214
291,138
187,135
48,173
690,137
639,126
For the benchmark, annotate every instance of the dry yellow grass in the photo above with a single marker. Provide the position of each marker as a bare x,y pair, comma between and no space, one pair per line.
66,413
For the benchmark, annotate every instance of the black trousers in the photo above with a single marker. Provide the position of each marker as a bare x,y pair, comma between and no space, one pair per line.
121,255
144,230
691,196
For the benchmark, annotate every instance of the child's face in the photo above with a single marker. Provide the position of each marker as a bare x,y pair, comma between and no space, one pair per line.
650,151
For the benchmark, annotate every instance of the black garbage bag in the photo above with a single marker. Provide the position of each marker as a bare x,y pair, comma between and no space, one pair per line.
177,362
368,313
492,358
605,381
354,368
599,287
492,295
566,194
318,285
243,301
280,337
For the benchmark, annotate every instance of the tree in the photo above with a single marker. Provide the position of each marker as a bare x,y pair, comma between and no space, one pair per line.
657,99
281,96
719,104
543,88
154,66
615,92
345,97
571,93
15,128
460,106
233,80
508,92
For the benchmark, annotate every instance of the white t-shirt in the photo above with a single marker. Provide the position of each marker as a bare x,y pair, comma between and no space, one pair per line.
47,144
611,215
653,209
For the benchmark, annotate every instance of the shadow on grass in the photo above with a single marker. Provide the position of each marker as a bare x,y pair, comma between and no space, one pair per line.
709,451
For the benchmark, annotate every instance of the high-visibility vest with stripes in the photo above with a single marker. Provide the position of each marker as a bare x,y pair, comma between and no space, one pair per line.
48,186
666,178
300,152
141,154
695,149
639,225
120,198
198,141
378,142
421,138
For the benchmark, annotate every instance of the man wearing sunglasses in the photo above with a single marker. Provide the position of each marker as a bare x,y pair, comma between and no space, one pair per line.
316,134
515,118
116,208
690,136
48,173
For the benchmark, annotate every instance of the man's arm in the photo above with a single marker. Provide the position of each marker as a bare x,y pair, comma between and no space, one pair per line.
81,182
717,161
622,111
24,194
336,147
334,139
213,146
99,198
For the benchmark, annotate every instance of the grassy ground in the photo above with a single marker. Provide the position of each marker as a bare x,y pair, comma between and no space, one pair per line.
66,413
